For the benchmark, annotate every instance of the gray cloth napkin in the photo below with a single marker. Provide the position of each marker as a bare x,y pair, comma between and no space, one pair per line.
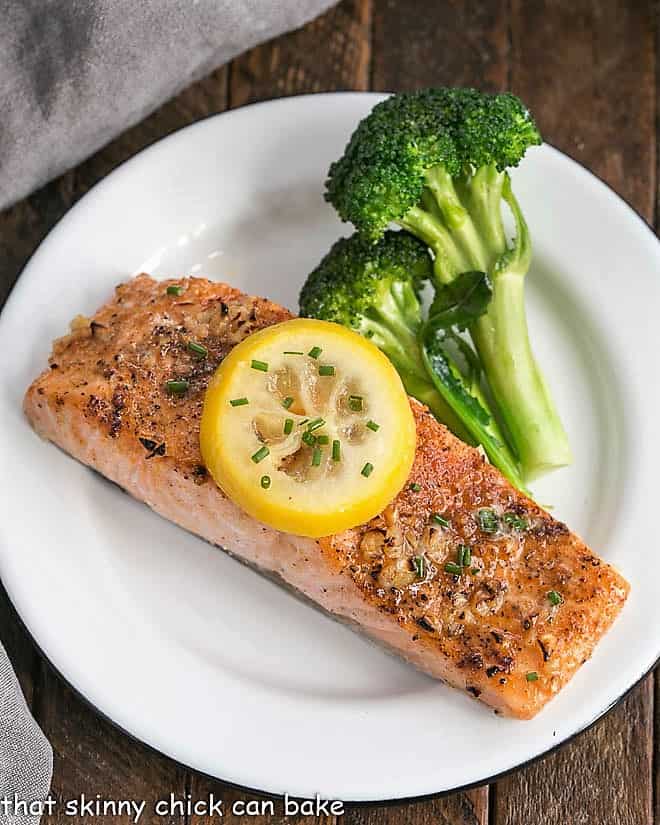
26,758
76,73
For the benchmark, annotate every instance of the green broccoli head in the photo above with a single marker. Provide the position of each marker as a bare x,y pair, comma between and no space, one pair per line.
357,279
383,172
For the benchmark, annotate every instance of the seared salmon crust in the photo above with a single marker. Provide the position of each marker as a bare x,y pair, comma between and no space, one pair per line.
462,575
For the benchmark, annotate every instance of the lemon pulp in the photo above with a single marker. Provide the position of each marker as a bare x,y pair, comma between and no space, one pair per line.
307,427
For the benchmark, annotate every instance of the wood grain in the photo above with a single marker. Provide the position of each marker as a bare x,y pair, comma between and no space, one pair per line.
587,71
457,809
603,776
593,94
449,43
329,54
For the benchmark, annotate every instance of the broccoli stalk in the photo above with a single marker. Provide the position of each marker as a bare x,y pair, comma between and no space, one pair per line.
392,322
373,289
467,234
435,163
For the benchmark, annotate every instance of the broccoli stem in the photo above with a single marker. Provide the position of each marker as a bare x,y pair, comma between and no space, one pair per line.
394,328
428,227
471,405
525,404
423,390
516,381
465,231
407,359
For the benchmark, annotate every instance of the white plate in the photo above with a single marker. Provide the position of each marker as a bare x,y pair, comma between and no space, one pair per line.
196,655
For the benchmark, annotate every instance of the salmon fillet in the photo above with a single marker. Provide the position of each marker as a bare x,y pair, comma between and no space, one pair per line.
492,630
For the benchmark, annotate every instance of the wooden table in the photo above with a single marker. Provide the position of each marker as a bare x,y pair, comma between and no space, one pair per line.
587,71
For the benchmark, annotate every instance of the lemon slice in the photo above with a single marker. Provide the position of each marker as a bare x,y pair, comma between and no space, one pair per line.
307,427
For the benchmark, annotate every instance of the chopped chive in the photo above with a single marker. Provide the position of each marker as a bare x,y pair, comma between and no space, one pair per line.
532,676
555,598
315,424
315,352
316,457
265,482
198,349
419,565
367,470
373,426
464,555
239,402
262,366
326,369
452,568
336,450
308,439
516,521
261,453
288,426
292,352
415,487
438,519
177,387
488,521
288,401
355,403
175,289
323,439
474,570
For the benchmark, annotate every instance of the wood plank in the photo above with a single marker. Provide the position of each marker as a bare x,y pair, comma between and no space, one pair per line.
449,43
603,776
93,757
587,72
329,54
457,809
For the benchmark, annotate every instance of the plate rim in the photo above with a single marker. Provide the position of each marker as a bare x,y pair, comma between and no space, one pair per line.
348,804
361,803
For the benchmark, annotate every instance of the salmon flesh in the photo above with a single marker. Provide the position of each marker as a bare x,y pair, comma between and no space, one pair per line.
510,624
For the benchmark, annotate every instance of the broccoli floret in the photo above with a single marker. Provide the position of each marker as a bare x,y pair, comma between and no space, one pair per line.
373,288
434,162
393,154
